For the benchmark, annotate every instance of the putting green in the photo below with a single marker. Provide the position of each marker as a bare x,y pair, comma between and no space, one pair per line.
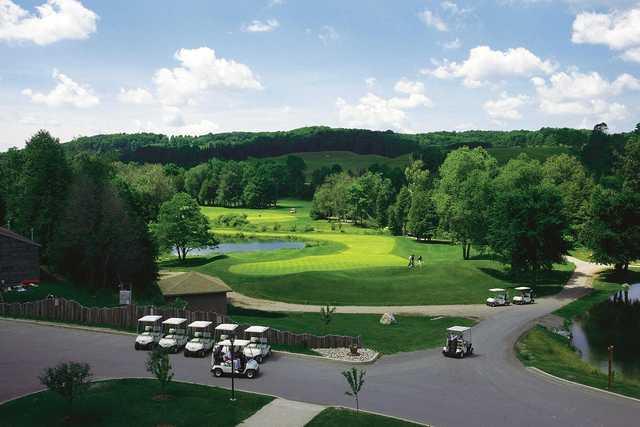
360,252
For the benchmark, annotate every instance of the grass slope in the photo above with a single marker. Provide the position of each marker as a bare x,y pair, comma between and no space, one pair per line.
409,334
130,402
332,417
553,354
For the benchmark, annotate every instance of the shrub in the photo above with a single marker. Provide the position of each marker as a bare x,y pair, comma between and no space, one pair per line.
231,220
276,227
263,228
69,380
159,365
308,228
293,228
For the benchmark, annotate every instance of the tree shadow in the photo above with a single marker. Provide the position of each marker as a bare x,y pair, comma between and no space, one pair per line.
191,262
547,283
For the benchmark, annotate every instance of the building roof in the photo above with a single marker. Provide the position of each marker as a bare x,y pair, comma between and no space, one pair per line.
191,283
5,232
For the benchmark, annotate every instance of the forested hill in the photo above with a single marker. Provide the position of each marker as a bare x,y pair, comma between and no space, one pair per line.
188,150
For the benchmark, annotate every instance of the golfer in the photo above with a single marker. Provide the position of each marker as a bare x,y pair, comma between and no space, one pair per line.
420,261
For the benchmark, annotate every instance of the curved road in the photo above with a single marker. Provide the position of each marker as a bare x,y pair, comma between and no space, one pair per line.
490,389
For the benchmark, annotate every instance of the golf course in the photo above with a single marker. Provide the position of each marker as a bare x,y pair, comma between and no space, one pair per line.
344,265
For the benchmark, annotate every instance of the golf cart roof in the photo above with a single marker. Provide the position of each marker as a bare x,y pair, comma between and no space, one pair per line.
149,318
257,329
458,329
236,343
523,288
174,321
227,327
199,324
496,290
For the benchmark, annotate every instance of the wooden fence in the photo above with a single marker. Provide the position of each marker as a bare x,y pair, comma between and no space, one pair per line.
126,317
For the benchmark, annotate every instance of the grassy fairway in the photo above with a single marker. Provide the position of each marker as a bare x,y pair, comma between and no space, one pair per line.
553,354
331,417
409,334
355,266
130,402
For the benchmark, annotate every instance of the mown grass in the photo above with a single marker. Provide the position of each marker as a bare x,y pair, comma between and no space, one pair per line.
349,269
581,253
553,354
409,334
130,402
332,417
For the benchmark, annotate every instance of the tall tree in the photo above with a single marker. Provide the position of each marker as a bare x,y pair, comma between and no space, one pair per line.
462,195
598,153
182,226
527,227
613,229
422,219
629,164
575,186
43,186
295,175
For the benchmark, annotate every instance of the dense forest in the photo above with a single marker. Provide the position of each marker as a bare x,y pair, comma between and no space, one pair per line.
190,151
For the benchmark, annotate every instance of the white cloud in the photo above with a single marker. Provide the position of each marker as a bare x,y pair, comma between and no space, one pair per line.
432,20
576,93
172,116
370,82
257,26
506,107
484,64
201,70
135,96
453,44
328,34
55,20
619,30
66,92
198,128
375,112
273,3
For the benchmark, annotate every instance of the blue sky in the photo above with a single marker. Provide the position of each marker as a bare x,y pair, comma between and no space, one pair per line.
86,67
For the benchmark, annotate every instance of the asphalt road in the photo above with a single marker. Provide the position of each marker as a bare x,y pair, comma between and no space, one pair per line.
489,389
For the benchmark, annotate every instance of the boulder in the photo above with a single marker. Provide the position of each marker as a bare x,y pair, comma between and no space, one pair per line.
388,319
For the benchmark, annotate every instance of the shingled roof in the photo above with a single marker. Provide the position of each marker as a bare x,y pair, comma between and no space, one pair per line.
5,232
191,283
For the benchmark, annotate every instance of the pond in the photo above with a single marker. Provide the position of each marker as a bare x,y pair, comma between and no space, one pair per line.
614,322
247,246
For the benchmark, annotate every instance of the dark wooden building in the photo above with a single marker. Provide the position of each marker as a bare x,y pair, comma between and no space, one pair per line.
200,291
19,258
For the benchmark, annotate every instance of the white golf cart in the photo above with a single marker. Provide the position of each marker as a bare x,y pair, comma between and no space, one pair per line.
175,334
500,297
221,359
458,342
201,341
525,297
258,347
149,332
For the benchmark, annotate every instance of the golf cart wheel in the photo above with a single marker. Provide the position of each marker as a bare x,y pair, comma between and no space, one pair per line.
217,372
258,359
251,374
460,355
136,346
186,353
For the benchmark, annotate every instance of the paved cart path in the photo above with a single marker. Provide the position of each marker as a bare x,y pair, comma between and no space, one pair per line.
283,413
489,389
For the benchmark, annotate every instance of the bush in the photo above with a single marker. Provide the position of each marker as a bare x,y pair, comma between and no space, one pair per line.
263,228
276,227
231,220
308,228
69,380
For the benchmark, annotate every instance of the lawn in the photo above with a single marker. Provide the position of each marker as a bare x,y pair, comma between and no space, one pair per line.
130,402
331,417
364,269
553,354
581,253
411,333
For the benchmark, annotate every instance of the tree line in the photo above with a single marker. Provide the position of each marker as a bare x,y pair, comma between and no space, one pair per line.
188,151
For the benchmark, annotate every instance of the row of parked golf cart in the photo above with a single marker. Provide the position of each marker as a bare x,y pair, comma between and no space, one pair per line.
500,296
199,338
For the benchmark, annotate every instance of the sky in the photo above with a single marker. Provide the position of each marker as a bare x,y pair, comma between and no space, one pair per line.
87,67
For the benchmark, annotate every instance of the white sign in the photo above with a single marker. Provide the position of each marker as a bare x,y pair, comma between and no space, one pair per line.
125,297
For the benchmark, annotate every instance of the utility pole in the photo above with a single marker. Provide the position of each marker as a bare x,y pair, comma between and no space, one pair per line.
610,350
233,388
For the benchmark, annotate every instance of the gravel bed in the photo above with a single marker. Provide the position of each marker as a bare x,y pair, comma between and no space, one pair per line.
343,353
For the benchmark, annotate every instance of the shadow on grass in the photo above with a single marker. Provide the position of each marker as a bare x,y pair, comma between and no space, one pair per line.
547,282
191,262
239,311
